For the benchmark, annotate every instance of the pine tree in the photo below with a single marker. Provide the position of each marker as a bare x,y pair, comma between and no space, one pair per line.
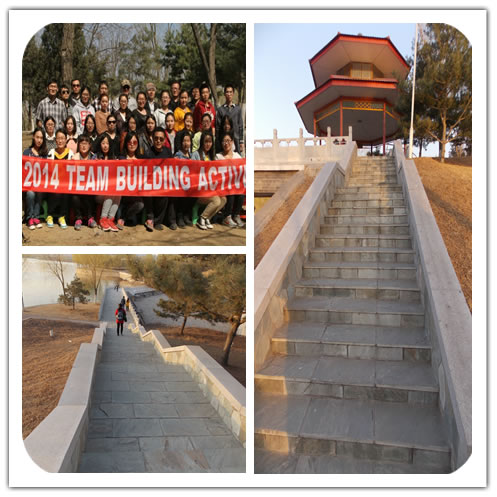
443,82
74,291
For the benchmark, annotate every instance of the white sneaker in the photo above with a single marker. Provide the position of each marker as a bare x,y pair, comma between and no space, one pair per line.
238,221
208,224
229,222
201,223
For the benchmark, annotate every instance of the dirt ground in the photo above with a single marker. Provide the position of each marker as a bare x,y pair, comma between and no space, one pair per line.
267,236
84,312
46,364
212,342
135,236
449,189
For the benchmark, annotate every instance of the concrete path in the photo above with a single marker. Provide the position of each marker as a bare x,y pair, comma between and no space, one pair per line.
148,416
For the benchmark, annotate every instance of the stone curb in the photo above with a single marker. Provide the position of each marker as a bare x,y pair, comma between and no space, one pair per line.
448,315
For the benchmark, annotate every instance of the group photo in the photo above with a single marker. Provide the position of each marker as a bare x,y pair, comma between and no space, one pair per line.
126,94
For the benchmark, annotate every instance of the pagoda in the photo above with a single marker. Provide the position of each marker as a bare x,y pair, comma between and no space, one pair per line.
356,84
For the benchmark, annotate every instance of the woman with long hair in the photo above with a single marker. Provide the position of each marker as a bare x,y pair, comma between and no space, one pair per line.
212,204
58,200
161,113
129,206
71,133
110,204
170,133
234,203
102,114
90,129
140,113
131,127
49,125
145,137
33,200
122,114
83,109
84,204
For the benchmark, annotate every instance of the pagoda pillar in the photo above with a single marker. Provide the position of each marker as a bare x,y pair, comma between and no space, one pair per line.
384,127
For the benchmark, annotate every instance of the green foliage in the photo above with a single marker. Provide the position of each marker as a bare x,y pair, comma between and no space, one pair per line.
75,291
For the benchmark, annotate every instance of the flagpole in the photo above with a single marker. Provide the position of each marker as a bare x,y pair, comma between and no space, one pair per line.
411,130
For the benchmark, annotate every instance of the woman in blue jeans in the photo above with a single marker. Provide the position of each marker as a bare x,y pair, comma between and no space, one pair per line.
33,200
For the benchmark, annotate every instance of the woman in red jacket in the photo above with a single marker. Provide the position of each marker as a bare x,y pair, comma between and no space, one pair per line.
120,318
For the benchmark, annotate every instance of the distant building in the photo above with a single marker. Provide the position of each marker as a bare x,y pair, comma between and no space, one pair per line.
356,79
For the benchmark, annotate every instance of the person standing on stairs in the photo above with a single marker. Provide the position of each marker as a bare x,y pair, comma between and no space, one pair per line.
120,318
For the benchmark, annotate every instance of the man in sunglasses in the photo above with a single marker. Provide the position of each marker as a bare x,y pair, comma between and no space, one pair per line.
65,96
156,207
75,96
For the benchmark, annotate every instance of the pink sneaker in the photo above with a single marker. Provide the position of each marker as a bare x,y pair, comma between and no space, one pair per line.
78,224
92,223
37,223
31,224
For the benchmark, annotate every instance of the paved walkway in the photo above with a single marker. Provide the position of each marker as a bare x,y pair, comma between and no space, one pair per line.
148,416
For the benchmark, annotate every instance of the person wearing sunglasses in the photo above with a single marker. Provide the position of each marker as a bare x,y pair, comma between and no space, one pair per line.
65,97
114,138
75,96
156,207
126,90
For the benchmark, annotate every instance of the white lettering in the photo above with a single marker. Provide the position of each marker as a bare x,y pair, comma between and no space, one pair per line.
103,178
131,186
28,166
157,178
222,170
80,178
173,177
45,173
146,184
120,178
202,180
36,174
90,180
212,184
54,180
70,169
185,178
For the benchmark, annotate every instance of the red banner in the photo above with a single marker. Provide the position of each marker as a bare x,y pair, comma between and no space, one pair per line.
137,177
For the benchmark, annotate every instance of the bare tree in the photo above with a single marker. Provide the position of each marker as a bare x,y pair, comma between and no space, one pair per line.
55,265
210,65
95,264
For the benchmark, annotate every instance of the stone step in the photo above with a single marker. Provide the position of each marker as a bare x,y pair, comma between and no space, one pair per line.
350,379
368,270
366,219
373,169
366,180
363,430
380,195
364,229
352,341
184,458
383,241
366,211
368,203
373,312
361,254
399,289
271,462
368,188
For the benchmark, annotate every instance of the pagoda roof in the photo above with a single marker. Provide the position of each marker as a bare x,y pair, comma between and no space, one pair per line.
344,48
342,86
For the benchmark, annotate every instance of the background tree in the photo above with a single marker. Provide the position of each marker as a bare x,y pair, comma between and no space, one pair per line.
210,62
75,291
95,264
55,265
184,283
443,82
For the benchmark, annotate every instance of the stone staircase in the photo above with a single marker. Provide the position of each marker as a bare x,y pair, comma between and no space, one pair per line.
349,386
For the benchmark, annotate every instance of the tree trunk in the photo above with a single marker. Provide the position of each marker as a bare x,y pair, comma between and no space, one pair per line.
229,340
209,65
183,327
66,51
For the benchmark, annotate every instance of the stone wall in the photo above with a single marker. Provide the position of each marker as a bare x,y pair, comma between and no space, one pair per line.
447,314
283,262
224,392
57,442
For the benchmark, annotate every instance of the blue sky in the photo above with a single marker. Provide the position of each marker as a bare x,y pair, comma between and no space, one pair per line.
282,73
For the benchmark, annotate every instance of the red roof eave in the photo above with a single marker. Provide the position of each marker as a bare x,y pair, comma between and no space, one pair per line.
371,39
388,84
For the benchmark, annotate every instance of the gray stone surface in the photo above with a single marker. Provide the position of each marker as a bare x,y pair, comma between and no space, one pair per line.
145,414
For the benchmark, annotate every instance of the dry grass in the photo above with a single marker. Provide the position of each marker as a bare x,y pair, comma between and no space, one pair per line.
449,190
84,312
267,236
46,363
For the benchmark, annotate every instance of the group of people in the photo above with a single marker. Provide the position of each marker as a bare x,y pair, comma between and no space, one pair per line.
181,124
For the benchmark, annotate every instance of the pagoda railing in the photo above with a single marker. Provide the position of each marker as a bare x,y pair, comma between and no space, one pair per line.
299,151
